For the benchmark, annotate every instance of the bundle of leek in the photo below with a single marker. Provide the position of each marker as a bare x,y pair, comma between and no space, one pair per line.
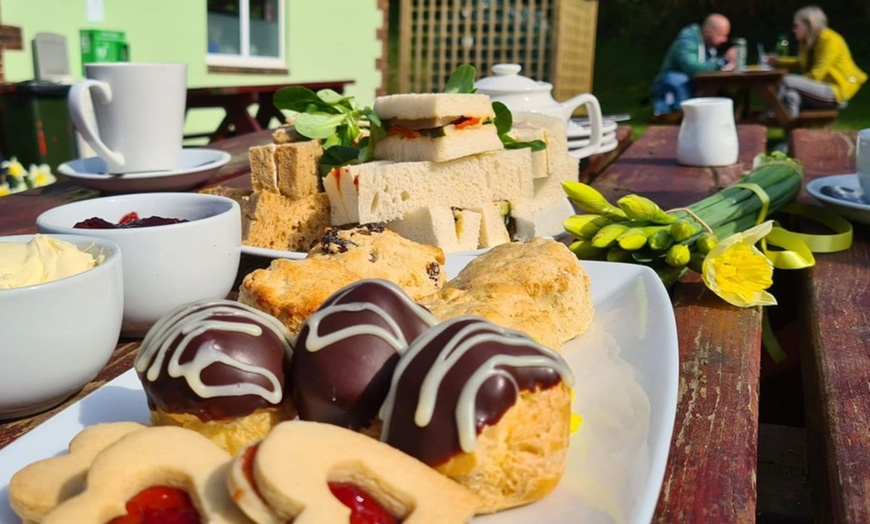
637,230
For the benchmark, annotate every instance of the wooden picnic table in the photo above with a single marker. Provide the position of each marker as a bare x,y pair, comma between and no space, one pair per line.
835,358
710,476
711,471
763,82
235,101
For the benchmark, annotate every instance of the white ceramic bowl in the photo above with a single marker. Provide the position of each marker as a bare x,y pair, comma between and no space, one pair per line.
55,337
164,266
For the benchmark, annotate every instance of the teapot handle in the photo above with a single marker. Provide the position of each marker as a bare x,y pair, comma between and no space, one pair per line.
596,123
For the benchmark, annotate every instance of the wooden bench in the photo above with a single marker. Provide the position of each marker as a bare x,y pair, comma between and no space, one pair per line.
835,349
815,118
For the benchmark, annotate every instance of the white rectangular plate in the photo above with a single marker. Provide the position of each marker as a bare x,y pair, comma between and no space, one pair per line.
626,371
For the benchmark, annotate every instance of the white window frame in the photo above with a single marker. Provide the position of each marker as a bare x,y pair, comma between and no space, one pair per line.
244,58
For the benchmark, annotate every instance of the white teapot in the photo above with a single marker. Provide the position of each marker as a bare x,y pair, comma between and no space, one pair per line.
521,93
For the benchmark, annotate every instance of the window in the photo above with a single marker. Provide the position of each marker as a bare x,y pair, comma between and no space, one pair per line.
246,33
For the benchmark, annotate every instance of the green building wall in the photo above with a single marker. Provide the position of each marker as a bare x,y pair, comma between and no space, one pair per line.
325,40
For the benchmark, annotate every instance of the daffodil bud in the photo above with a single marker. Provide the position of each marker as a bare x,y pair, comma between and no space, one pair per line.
607,235
678,255
705,242
632,239
669,275
682,230
660,240
585,226
584,250
590,200
637,207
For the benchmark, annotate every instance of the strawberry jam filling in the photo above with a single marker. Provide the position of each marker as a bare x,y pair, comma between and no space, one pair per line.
363,508
159,505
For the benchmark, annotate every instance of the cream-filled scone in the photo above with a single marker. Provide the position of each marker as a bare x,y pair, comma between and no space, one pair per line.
486,406
344,356
313,473
217,367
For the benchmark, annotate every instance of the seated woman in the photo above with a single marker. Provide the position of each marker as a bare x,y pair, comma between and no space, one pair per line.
828,76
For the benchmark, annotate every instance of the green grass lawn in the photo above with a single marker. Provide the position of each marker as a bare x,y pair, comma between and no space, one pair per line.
625,71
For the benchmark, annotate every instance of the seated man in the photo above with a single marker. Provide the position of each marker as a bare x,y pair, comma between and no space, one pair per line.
694,51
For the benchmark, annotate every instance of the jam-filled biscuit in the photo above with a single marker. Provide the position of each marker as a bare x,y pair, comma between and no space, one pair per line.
164,465
37,488
302,469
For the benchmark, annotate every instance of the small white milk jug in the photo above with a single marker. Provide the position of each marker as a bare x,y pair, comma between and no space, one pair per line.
708,135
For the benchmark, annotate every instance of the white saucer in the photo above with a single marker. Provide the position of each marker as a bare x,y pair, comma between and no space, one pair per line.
576,130
583,142
604,147
196,165
852,210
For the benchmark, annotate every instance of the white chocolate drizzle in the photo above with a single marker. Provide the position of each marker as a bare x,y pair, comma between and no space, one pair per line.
192,320
392,334
452,351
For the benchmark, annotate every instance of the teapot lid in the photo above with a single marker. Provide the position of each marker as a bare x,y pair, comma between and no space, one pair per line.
508,80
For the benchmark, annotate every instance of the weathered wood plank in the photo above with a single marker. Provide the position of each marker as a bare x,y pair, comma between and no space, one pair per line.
711,470
835,356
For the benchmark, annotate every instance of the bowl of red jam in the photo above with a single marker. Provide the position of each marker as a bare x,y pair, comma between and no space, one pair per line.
176,247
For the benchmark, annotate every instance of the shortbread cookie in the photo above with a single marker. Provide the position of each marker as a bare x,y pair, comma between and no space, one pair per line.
371,251
537,287
217,367
486,406
38,488
294,473
158,462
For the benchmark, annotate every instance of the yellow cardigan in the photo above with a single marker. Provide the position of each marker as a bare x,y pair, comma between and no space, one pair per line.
831,62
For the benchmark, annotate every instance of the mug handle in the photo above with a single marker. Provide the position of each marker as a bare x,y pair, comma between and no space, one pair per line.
593,109
101,93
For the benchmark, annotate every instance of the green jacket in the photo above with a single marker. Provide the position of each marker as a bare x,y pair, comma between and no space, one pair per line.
688,53
831,62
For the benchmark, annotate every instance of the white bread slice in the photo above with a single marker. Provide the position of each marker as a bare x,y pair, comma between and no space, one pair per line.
492,228
548,221
525,132
561,166
450,229
459,143
289,169
384,191
416,106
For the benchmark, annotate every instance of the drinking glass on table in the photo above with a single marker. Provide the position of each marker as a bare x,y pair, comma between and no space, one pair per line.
763,61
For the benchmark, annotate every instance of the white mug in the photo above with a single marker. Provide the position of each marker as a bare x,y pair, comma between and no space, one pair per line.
139,111
862,162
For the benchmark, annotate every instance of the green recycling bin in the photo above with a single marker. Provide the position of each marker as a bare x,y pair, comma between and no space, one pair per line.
35,124
103,46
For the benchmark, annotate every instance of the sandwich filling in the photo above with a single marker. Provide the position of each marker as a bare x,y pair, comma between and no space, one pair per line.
433,127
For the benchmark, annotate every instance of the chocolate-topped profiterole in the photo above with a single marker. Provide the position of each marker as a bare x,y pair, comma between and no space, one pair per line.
215,359
344,356
459,377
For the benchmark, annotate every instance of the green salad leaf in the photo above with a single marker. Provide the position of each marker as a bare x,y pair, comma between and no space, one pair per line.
504,121
325,115
462,80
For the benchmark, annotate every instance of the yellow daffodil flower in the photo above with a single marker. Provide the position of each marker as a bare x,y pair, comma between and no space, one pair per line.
41,175
4,189
738,272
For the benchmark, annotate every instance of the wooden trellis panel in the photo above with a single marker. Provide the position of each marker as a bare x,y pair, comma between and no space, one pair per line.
554,40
